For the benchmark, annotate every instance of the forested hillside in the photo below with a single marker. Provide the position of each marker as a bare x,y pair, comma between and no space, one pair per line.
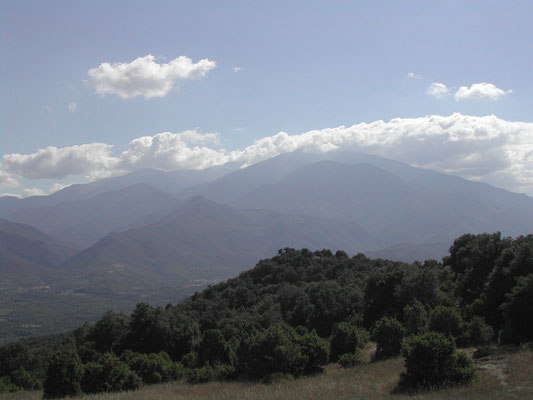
294,313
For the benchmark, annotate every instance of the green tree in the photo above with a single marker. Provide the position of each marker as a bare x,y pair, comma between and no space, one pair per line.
432,361
388,334
415,318
345,338
63,375
446,320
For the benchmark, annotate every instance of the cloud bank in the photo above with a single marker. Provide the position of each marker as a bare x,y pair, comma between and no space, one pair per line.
145,77
486,148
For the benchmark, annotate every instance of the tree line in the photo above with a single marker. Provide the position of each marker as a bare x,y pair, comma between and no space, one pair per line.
294,313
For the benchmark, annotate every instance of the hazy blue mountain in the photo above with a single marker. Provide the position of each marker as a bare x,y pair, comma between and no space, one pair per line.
203,240
171,182
384,204
28,256
85,221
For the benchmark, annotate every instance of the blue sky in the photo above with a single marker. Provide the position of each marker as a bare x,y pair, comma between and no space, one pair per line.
277,66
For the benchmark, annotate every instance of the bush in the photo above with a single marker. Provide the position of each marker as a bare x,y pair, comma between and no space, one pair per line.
518,316
431,361
349,360
109,374
207,373
388,334
153,368
415,318
63,376
446,320
478,332
345,338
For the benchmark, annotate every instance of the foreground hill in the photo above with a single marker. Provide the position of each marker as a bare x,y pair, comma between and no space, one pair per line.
293,314
202,240
502,376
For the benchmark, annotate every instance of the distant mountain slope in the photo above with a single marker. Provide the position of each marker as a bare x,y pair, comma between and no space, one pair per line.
203,240
28,256
85,221
171,182
381,202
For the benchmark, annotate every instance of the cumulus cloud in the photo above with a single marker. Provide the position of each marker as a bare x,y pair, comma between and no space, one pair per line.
480,92
51,162
437,90
145,77
6,180
72,106
487,149
413,75
169,151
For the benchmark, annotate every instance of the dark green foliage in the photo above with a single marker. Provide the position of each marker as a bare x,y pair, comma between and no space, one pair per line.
153,368
63,376
280,349
415,318
108,334
214,349
431,361
446,320
315,349
478,332
109,374
388,334
349,360
472,258
345,338
518,312
208,373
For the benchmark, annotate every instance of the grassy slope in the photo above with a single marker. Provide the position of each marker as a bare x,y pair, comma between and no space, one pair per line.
507,376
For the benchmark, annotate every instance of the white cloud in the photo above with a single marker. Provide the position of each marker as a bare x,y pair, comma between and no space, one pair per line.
56,187
437,90
32,192
6,180
92,159
480,92
171,151
72,106
145,77
412,75
237,69
486,148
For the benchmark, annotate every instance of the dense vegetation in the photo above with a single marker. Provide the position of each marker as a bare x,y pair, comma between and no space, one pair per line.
294,313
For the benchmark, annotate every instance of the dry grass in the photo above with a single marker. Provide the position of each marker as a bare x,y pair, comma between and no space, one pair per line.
510,378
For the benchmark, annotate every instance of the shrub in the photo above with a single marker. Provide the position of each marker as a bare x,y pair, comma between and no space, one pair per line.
349,360
388,334
431,361
518,317
109,374
478,332
446,320
345,338
63,375
415,318
153,368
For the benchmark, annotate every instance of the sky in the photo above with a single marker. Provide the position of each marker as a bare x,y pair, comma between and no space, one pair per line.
96,89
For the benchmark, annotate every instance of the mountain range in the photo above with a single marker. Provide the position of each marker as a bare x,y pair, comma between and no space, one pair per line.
135,234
